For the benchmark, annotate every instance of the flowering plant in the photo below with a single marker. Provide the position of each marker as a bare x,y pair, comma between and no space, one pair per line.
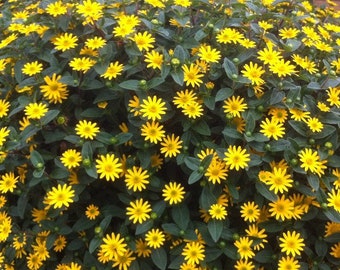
174,134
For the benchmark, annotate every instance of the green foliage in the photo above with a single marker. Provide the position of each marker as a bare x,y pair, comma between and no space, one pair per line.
208,123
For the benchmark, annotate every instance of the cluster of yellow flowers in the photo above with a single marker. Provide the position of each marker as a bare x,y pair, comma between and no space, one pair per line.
169,134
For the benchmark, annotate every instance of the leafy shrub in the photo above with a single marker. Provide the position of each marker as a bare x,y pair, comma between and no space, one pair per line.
169,135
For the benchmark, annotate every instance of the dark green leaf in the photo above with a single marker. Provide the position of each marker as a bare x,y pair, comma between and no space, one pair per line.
215,228
159,258
321,248
223,94
130,84
49,116
192,163
82,224
298,126
36,158
194,177
202,128
313,181
264,191
171,228
264,256
229,68
181,215
145,226
95,242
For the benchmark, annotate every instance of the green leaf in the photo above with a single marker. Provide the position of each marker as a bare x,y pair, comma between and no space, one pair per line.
264,191
298,126
21,205
321,248
105,222
95,242
264,256
178,76
145,226
130,85
194,177
181,215
36,159
209,102
313,181
123,137
83,223
215,228
332,215
49,116
202,128
229,132
279,145
154,82
326,131
333,238
159,258
192,163
223,94
171,228
229,68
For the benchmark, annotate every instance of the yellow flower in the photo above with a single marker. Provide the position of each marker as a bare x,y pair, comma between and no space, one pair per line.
250,211
92,211
143,41
86,129
138,211
218,211
57,8
142,249
193,252
35,110
113,70
279,180
193,109
60,196
173,193
229,35
314,124
244,265
59,243
244,248
282,208
124,261
71,158
81,64
335,250
4,107
288,33
152,132
95,43
272,128
153,108
54,90
8,182
208,54
192,75
171,145
253,72
184,97
290,263
291,243
154,59
234,105
216,171
113,245
65,42
282,68
108,167
236,157
334,199
136,178
32,68
155,238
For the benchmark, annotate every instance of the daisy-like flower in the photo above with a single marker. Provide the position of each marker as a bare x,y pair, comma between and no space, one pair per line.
82,64
299,115
218,211
8,182
193,110
154,59
335,250
288,263
291,243
234,105
279,180
309,159
54,90
144,41
60,196
173,193
282,208
209,54
108,167
258,235
113,70
334,199
250,211
282,68
95,43
253,72
112,245
236,157
65,42
288,33
32,68
244,248
155,238
56,9
153,108
216,171
171,145
91,10
184,97
229,35
142,249
192,75
4,132
193,252
86,129
59,243
314,124
92,211
123,261
71,158
268,55
244,265
152,132
4,107
333,94
272,128
278,114
138,211
35,110
136,178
